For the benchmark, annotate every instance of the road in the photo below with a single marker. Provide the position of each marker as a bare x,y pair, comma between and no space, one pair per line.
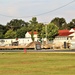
44,50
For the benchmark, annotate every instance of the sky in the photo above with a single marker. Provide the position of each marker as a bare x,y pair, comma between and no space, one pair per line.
44,10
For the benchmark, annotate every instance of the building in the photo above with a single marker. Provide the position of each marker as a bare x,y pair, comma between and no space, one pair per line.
67,36
35,35
21,41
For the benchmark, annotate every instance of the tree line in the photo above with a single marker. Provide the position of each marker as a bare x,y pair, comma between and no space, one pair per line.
18,28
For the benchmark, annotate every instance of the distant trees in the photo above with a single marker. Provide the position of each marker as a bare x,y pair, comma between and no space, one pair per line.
32,24
1,35
71,24
16,24
20,33
60,22
10,34
18,28
2,31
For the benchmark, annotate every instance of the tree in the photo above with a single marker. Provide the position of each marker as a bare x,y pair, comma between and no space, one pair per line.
71,24
39,29
32,35
1,35
2,29
21,32
10,34
34,20
16,24
33,24
60,22
50,32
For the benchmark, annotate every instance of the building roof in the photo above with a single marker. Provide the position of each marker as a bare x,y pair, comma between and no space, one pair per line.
33,32
64,33
73,34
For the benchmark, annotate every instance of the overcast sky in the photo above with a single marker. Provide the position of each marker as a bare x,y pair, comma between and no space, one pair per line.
26,9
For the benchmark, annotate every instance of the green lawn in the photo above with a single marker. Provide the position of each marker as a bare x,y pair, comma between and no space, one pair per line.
37,63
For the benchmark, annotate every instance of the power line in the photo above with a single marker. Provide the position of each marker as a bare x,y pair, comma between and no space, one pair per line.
57,8
41,13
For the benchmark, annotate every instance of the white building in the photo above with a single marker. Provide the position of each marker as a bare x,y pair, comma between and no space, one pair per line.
35,35
67,36
21,41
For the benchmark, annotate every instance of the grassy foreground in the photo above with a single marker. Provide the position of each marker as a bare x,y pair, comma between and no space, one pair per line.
37,64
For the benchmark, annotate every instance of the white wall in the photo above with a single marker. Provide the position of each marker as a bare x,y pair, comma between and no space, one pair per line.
61,39
27,35
6,41
22,41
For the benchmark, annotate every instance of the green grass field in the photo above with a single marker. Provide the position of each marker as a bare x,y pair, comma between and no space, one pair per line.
37,63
